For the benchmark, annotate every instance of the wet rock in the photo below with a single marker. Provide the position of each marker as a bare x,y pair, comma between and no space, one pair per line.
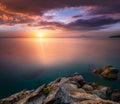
108,72
97,71
110,76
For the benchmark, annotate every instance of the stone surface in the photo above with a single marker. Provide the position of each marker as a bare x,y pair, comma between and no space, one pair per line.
116,95
87,87
98,101
66,90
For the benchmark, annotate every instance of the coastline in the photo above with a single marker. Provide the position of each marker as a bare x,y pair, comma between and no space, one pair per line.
66,90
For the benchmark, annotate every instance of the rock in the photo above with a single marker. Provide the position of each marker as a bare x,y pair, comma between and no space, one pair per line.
110,76
81,90
115,71
97,71
87,87
98,93
77,78
65,91
69,94
52,95
32,97
116,95
16,97
103,92
105,71
94,85
108,73
97,101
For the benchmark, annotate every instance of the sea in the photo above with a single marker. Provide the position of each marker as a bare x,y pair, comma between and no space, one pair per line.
27,63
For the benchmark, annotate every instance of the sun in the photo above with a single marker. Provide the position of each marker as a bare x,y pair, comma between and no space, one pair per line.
39,35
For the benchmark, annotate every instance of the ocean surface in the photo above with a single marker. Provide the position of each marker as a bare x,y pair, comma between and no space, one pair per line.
26,63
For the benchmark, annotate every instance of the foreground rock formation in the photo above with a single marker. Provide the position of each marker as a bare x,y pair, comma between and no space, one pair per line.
108,72
67,90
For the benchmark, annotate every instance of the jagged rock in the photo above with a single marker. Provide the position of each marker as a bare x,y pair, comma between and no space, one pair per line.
81,90
103,92
64,91
87,87
68,94
77,79
16,97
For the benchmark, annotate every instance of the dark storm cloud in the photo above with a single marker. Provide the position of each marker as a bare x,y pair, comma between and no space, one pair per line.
105,10
39,6
93,23
18,11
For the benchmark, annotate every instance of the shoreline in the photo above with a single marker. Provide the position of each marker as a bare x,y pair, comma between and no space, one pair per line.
72,86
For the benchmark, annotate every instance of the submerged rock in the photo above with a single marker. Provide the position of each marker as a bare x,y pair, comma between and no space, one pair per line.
66,90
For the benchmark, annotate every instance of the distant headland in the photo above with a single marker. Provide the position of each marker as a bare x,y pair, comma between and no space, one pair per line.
115,36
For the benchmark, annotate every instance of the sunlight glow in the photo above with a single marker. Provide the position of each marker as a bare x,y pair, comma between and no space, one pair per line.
39,35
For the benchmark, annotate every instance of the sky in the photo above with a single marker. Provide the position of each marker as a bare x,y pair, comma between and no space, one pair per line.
59,18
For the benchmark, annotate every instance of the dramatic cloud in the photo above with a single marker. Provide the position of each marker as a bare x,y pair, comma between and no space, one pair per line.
12,19
105,10
93,23
39,6
80,24
88,15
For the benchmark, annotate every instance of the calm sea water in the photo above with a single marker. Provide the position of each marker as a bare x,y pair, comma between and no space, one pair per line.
28,63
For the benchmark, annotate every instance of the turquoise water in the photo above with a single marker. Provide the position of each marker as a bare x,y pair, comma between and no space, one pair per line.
26,63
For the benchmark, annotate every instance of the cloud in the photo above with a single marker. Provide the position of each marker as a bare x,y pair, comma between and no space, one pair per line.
80,24
38,7
12,19
48,25
93,23
105,10
48,17
76,16
24,11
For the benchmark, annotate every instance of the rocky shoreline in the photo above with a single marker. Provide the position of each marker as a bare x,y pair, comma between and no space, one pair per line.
67,90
